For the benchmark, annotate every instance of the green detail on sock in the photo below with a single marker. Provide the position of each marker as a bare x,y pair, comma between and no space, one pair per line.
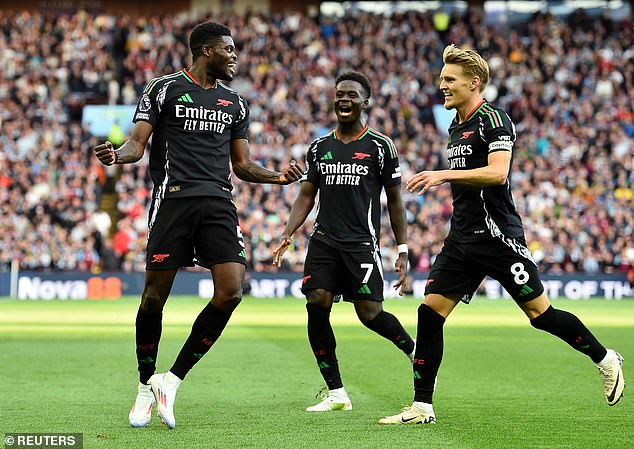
584,347
364,289
416,375
148,360
198,356
400,343
323,365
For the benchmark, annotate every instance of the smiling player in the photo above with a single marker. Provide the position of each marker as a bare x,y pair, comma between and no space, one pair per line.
486,237
199,128
349,167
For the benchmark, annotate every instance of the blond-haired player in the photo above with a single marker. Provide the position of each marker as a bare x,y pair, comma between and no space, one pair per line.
486,237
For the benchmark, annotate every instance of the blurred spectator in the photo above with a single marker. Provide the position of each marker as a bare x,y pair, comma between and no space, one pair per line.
568,86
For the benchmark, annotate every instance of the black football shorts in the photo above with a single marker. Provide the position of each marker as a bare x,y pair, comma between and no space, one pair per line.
460,268
197,230
354,275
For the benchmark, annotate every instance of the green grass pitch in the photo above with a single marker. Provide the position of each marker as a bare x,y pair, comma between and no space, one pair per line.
69,366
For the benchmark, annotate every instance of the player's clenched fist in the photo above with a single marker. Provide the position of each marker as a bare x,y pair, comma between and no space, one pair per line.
105,153
291,173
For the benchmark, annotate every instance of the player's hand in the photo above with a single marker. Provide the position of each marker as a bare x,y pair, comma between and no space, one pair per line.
285,242
400,266
105,153
291,173
425,180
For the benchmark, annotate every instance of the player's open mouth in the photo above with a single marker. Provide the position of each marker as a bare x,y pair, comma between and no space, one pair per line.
345,110
232,66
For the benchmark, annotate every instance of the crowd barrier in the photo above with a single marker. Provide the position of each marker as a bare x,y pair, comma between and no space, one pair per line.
112,286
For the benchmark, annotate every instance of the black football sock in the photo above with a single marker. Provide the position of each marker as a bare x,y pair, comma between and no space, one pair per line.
205,331
388,326
428,355
323,343
570,329
148,334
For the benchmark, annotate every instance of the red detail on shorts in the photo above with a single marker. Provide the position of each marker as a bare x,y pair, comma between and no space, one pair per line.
429,281
305,278
159,257
222,102
360,156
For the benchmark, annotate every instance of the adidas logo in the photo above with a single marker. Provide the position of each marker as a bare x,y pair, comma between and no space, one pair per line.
186,98
364,289
327,156
323,365
525,290
243,253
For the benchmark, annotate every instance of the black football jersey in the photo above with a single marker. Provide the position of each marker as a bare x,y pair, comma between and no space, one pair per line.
482,212
193,129
350,177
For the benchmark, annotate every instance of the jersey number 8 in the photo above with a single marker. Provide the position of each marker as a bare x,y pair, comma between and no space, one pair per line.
520,276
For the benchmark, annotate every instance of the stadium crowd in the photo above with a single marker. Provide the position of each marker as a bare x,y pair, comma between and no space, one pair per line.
568,84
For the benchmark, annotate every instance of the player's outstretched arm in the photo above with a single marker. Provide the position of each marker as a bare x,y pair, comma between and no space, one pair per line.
301,208
493,174
131,151
398,220
247,169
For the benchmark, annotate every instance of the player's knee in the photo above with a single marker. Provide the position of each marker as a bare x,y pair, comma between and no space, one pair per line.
152,302
368,312
319,298
228,301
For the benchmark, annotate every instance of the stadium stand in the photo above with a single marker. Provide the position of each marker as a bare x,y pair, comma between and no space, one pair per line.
568,84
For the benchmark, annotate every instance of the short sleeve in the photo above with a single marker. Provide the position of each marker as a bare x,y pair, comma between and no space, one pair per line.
147,109
312,166
499,131
240,128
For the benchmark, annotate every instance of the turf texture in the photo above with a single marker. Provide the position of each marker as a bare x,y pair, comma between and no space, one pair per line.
69,366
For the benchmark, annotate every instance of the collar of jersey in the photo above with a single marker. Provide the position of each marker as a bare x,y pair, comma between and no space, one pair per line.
473,112
361,134
191,78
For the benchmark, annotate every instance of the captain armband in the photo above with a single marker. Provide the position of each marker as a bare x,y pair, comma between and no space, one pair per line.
501,145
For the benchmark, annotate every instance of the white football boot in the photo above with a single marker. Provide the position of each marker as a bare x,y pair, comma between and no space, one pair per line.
335,400
142,409
417,413
411,355
164,387
611,371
